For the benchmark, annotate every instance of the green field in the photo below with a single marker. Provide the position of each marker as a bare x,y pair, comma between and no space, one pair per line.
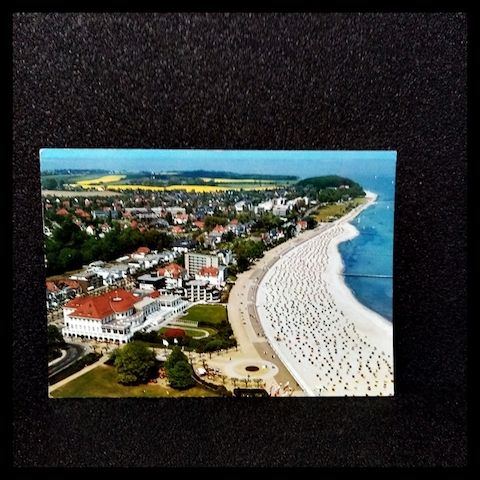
337,210
102,382
211,314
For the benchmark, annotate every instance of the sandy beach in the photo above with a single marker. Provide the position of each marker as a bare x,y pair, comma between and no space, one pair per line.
330,343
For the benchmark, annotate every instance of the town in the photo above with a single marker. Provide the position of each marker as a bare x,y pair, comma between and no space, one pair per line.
144,265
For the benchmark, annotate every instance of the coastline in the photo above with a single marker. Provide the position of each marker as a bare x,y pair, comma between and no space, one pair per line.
331,343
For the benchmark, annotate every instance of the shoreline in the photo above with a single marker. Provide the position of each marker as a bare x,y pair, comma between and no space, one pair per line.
340,322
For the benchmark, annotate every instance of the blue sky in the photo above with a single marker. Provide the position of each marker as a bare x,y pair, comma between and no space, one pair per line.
303,163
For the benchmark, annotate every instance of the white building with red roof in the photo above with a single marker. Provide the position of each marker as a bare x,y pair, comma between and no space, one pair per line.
213,275
113,316
181,218
174,275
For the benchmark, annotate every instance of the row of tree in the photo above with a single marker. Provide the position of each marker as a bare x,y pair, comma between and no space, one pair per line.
69,247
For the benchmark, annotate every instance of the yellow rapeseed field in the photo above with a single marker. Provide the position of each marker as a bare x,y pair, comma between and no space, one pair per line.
187,188
237,180
104,179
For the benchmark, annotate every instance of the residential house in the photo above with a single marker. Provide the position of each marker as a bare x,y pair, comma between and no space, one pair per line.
183,245
213,275
173,274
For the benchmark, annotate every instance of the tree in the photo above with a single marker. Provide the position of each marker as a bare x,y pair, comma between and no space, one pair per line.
179,371
55,342
228,237
180,376
50,184
175,356
134,363
311,222
54,336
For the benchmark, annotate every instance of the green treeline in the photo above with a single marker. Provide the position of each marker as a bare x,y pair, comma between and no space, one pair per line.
70,247
329,188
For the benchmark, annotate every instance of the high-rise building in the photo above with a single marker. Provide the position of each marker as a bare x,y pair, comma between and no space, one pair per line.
195,261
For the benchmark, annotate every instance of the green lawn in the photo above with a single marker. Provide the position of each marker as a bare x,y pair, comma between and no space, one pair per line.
325,214
212,314
102,382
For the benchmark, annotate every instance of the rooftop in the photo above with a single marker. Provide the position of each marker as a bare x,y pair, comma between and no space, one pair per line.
99,307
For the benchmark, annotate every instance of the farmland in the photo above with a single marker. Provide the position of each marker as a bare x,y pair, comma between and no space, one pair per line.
100,180
239,180
190,188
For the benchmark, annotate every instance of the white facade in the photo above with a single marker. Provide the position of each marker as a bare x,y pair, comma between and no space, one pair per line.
195,261
200,291
214,280
120,327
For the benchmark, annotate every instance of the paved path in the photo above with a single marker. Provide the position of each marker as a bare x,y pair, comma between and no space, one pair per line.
63,382
74,351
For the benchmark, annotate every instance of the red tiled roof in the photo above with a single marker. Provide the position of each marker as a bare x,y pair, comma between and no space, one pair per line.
70,283
218,229
177,229
82,213
62,212
174,269
199,224
102,306
155,294
143,250
234,222
51,287
208,271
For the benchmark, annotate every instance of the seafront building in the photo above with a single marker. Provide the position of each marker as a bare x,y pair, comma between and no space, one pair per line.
196,261
115,316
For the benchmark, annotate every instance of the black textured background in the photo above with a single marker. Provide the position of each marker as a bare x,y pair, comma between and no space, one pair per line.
320,81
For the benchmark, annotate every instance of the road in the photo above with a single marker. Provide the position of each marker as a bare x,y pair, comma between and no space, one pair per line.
74,352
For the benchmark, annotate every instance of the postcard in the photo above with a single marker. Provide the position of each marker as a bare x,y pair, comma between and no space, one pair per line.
218,273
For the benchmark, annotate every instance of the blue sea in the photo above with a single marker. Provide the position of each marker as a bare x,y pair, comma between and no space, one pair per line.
372,251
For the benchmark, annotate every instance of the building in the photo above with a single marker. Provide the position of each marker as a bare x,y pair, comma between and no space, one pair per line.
173,305
181,218
173,274
214,238
225,256
151,281
240,206
280,210
184,245
195,261
88,281
201,291
213,275
167,256
175,210
236,228
113,317
263,207
302,225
